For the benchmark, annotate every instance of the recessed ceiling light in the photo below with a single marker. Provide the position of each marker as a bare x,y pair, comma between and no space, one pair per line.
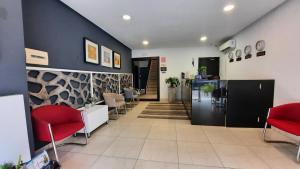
145,42
228,8
126,17
203,38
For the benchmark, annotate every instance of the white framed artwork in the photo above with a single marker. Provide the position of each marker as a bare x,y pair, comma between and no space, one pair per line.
106,57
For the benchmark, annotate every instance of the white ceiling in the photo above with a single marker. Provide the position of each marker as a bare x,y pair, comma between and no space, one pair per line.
171,23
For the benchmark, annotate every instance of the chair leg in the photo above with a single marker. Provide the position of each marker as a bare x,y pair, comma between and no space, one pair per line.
264,131
84,129
298,153
125,108
266,125
117,113
53,142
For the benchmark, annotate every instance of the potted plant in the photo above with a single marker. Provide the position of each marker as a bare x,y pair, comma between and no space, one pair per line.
7,166
173,82
203,71
207,88
89,102
13,166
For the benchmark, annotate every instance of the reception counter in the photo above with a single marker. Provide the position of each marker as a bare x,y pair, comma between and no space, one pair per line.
232,103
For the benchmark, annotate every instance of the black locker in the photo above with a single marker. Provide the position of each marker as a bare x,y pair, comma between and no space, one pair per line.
267,99
248,102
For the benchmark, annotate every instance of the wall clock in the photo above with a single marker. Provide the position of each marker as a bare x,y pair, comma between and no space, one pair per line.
247,52
260,46
238,55
230,57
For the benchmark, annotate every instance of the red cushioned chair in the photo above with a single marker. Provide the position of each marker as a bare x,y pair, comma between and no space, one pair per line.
286,118
56,122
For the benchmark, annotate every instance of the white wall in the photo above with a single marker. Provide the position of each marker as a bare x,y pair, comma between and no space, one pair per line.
178,60
281,31
14,137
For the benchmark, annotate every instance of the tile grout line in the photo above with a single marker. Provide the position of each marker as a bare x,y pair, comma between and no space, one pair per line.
215,151
177,146
142,146
102,154
98,157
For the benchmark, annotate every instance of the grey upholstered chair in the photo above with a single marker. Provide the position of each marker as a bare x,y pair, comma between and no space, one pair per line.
114,100
131,94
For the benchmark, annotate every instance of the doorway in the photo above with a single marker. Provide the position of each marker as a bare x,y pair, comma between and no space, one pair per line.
146,77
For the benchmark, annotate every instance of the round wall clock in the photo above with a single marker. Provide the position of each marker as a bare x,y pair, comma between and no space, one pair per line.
260,45
247,51
238,54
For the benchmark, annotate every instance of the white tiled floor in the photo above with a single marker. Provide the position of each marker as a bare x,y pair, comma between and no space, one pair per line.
134,143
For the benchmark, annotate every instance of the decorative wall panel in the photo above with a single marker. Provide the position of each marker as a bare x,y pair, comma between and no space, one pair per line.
105,83
54,87
126,80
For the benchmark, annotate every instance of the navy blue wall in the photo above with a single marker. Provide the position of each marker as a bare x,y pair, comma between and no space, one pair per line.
12,60
51,26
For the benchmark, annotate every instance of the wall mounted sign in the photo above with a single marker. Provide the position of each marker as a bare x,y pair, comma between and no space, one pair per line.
247,52
163,64
163,69
260,46
106,57
230,57
238,55
117,60
91,53
36,57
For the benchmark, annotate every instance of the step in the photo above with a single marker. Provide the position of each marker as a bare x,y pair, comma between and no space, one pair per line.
151,86
152,93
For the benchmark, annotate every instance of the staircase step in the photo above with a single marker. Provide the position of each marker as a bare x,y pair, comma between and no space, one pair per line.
151,92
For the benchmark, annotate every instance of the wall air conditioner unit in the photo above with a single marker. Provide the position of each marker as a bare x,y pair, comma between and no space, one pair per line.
227,46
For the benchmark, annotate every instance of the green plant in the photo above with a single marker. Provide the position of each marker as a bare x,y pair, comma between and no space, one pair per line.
19,163
91,100
188,82
11,165
202,69
207,88
172,81
7,166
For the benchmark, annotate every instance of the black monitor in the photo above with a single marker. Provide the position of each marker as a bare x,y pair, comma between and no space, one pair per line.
212,65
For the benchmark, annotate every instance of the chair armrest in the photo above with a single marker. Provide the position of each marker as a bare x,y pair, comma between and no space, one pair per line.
286,112
41,129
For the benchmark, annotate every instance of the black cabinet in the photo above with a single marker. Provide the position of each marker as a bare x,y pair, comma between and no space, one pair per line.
208,102
248,102
231,103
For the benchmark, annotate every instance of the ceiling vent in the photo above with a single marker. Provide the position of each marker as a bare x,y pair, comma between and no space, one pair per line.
228,46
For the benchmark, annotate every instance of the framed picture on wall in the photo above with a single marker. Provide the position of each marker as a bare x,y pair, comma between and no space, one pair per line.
106,57
117,60
91,53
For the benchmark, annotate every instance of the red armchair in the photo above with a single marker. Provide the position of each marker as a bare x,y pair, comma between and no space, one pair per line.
286,118
56,122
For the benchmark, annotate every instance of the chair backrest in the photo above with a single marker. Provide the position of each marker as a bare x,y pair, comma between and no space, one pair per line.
290,112
110,99
57,114
128,93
